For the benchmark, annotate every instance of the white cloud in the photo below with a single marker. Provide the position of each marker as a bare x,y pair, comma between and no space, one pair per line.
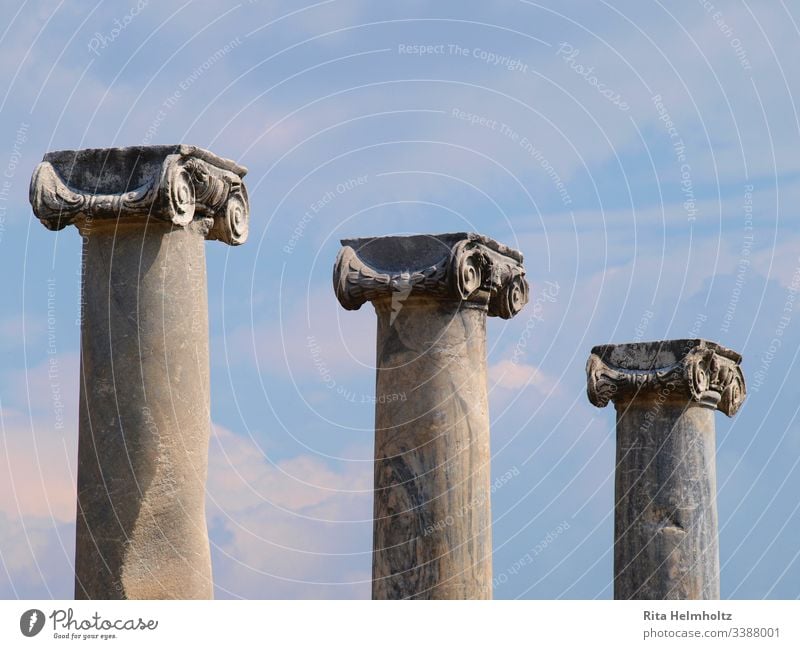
36,558
242,477
780,263
38,450
516,376
294,528
312,333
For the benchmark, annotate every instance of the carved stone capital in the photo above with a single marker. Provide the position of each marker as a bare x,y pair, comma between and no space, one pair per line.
178,184
696,370
458,266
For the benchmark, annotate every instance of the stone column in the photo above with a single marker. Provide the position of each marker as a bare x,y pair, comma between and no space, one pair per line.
143,214
665,524
432,293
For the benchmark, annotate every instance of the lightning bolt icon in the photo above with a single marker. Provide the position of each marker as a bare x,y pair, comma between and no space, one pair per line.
32,620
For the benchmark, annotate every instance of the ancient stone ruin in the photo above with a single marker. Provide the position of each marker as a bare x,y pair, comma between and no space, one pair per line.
144,214
432,529
665,519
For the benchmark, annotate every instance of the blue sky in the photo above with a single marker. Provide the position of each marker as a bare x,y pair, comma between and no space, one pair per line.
642,155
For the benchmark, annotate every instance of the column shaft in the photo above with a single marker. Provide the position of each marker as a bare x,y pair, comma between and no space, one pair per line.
432,533
665,524
144,415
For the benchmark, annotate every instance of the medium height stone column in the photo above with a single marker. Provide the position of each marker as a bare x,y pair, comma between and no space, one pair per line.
143,214
665,525
432,293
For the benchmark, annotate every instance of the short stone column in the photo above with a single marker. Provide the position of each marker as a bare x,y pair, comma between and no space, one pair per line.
665,524
432,293
143,214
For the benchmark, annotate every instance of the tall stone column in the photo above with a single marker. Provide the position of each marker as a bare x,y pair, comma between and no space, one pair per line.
143,214
665,524
432,293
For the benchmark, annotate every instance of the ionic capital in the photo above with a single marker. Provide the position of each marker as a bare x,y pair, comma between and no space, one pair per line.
459,266
696,370
177,184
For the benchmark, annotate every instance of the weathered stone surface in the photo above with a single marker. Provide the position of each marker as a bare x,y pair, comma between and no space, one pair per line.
144,416
461,266
431,293
175,183
699,370
143,214
665,525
